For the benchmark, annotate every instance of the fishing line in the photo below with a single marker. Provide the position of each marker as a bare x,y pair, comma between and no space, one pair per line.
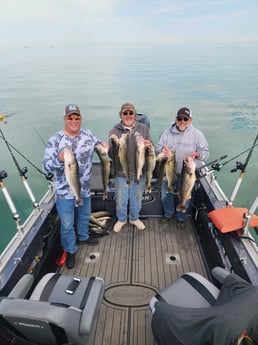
9,145
37,132
242,167
23,171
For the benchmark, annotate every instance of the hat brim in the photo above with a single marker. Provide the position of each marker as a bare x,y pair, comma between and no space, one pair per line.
73,112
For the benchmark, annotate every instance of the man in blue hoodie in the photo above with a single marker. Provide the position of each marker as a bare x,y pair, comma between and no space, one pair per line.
187,141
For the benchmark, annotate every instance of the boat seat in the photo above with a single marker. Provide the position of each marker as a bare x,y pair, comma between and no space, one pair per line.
60,310
197,292
193,308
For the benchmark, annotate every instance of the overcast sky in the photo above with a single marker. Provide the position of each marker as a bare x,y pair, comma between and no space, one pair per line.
52,22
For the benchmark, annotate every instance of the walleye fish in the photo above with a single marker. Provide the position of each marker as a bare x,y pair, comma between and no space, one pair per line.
161,159
170,168
99,214
114,146
121,143
167,169
188,178
72,175
150,159
140,157
105,167
98,221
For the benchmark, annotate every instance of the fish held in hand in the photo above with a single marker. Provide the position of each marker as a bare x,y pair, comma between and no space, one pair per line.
140,157
170,170
72,175
188,178
167,169
150,159
105,167
121,144
161,159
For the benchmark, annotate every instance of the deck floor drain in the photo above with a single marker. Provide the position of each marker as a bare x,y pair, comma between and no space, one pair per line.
172,258
92,258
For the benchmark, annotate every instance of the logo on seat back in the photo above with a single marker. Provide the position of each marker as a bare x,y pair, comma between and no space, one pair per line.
28,325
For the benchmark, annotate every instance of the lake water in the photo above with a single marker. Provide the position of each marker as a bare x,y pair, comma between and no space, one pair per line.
219,83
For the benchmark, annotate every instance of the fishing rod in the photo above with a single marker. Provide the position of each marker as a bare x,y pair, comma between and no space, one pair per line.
48,176
242,168
215,165
213,162
22,172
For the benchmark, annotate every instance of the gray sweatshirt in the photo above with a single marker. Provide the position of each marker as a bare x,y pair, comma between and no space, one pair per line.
192,139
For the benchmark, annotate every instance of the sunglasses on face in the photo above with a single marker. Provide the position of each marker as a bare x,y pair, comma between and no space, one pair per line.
182,119
128,112
73,117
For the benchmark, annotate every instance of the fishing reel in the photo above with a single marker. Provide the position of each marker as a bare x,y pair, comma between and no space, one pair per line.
49,176
239,166
23,171
3,174
216,166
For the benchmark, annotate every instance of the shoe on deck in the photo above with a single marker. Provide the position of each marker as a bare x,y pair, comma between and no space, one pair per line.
180,224
138,223
91,241
70,260
118,226
165,220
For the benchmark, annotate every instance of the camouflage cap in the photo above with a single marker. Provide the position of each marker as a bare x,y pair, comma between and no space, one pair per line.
127,106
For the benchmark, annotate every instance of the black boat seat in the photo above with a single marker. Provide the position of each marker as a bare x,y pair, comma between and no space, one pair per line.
193,310
61,309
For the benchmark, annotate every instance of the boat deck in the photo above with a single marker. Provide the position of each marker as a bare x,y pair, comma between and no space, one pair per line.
135,265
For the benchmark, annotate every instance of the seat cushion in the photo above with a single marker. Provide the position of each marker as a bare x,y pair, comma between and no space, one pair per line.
231,218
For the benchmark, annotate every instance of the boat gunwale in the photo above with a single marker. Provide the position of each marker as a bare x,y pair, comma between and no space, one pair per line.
16,248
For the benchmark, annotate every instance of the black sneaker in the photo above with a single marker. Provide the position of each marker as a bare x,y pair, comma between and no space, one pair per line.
91,241
70,260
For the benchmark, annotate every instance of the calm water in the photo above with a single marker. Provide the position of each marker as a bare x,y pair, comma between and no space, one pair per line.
219,83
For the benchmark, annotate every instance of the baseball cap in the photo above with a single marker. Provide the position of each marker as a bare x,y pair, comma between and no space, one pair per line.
71,109
127,106
184,112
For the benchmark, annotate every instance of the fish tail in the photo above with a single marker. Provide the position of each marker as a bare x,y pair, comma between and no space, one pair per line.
78,202
181,208
148,189
170,189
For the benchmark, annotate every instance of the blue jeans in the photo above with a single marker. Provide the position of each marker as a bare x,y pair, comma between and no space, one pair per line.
128,196
170,201
71,216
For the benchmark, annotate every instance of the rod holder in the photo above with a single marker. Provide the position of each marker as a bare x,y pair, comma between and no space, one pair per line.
10,203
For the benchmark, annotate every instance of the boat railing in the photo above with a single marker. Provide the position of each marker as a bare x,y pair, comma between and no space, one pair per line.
17,246
211,185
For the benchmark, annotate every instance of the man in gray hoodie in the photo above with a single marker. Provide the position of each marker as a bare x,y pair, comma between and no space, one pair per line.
128,191
187,141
